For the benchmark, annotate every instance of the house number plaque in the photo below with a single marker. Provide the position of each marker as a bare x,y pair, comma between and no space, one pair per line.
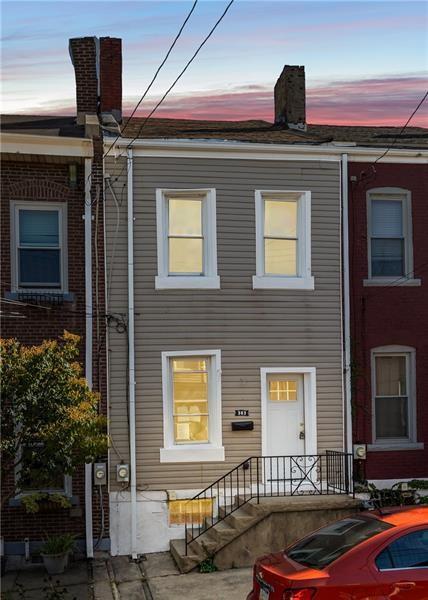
242,412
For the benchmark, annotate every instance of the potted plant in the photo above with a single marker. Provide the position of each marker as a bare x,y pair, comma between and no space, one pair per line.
55,552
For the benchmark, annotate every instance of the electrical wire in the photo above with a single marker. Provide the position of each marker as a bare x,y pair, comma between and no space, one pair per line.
403,128
180,75
154,76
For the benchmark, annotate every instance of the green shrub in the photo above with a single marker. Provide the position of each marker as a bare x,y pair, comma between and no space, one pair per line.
57,544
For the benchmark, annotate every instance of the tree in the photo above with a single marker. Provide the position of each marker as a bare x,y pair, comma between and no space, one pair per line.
50,422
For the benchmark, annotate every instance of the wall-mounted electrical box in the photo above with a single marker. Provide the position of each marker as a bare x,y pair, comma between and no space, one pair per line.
122,473
360,451
100,474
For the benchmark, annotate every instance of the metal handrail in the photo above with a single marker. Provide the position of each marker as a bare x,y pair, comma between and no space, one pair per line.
262,476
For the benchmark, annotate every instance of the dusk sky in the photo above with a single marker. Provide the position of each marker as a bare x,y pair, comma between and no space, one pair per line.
366,62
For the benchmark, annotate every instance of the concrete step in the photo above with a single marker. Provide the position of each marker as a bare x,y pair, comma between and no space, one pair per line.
187,562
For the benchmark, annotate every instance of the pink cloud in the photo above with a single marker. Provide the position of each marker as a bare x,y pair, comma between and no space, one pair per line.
377,101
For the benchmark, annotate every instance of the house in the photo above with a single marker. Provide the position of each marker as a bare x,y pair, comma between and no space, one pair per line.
52,191
388,259
228,245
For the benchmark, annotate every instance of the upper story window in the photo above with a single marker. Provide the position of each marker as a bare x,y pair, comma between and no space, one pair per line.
186,239
393,381
192,406
390,251
283,240
39,260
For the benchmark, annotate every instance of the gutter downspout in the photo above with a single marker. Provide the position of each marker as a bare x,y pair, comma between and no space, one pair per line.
346,307
88,345
131,353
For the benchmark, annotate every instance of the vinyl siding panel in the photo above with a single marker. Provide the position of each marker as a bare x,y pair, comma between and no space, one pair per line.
252,328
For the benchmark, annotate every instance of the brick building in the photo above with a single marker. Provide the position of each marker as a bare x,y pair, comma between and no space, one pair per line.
52,185
388,256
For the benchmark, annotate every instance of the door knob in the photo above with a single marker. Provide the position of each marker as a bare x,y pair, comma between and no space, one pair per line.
405,585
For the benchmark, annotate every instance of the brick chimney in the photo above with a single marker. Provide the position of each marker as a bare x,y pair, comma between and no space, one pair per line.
111,77
290,98
98,70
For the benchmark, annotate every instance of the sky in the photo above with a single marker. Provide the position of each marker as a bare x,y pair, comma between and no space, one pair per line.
366,62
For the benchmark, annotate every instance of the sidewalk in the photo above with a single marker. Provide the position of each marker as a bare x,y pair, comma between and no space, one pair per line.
153,577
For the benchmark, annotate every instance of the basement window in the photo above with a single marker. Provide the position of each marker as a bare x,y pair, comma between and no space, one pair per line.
190,511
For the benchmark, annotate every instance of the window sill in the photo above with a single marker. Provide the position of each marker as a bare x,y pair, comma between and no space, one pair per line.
187,283
66,296
395,447
17,500
191,453
283,283
391,282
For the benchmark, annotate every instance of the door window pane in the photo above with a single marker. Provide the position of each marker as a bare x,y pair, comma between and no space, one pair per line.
282,391
280,219
280,257
190,400
38,228
409,551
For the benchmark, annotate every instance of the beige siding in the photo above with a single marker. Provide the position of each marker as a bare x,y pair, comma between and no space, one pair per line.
253,328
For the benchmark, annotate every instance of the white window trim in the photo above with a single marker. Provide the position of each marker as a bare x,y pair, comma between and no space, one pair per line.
305,280
407,279
61,207
212,451
396,443
309,403
210,279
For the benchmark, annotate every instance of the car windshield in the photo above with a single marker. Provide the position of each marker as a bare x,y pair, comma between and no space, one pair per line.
320,549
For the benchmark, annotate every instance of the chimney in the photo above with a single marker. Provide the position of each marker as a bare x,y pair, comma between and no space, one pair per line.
84,56
98,70
290,102
111,77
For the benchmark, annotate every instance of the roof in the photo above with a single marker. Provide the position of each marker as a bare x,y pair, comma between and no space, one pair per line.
243,131
42,125
265,132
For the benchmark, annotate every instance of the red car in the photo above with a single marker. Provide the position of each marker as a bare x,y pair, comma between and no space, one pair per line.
371,555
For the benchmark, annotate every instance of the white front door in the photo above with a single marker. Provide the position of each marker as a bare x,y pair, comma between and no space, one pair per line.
285,427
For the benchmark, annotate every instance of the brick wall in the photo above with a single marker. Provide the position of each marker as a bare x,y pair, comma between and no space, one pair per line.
111,76
49,182
383,316
83,52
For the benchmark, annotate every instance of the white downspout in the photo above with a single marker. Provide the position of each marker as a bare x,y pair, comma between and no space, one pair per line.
132,446
88,345
346,306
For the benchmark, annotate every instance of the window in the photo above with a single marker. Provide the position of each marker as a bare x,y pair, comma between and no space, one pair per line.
191,389
320,549
408,552
190,511
282,390
283,240
39,246
187,247
31,473
390,236
393,374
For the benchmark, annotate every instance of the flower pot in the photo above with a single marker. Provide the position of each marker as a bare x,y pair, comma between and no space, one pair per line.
55,563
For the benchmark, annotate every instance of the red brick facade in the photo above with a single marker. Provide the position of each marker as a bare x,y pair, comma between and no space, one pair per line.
388,315
39,180
111,76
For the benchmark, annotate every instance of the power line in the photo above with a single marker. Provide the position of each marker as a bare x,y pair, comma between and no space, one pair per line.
189,62
403,128
154,76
